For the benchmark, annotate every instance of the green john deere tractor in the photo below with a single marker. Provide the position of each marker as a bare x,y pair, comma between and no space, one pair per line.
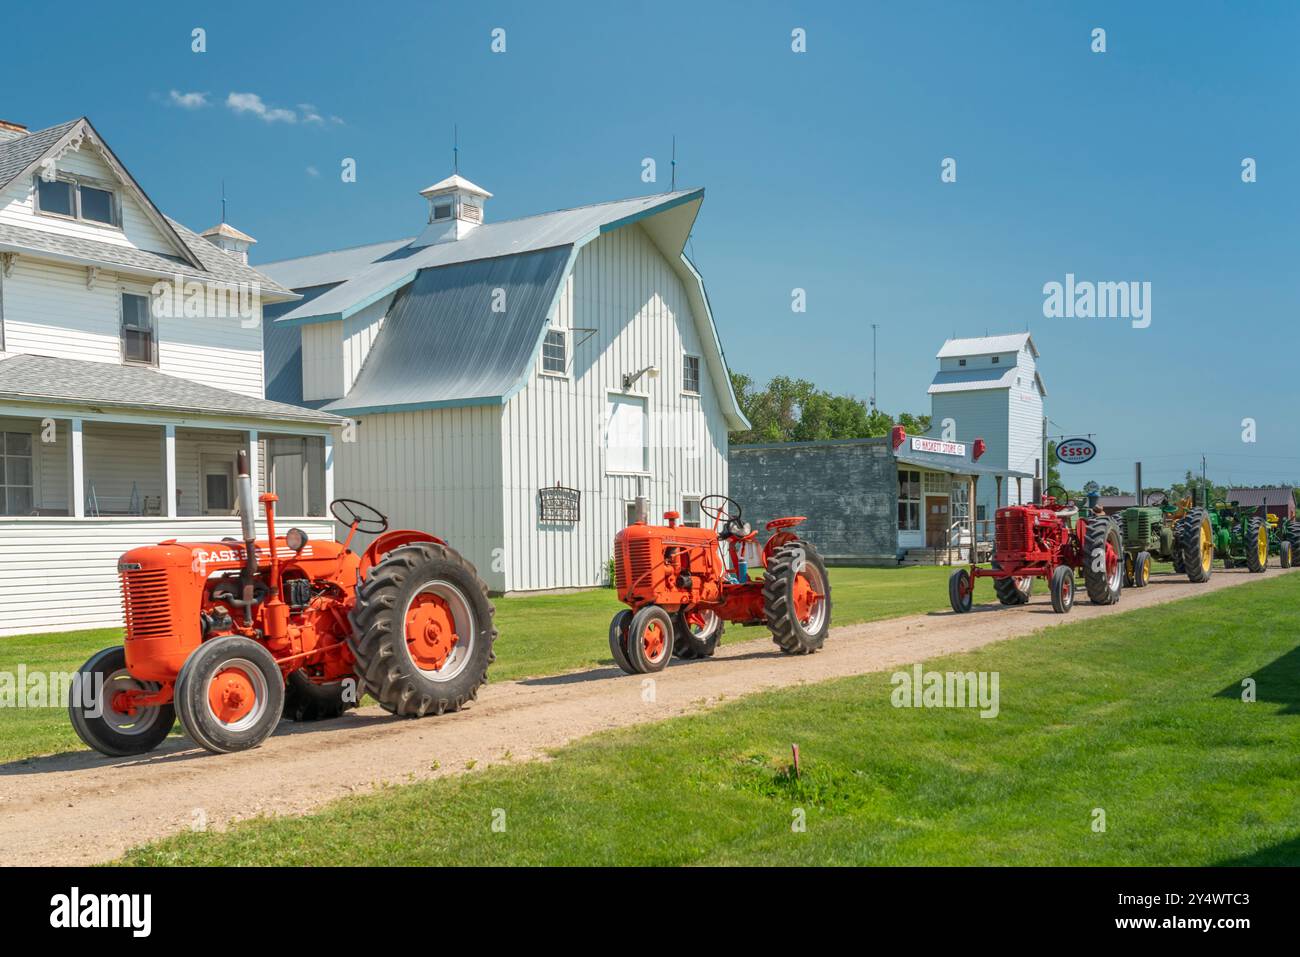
1283,539
1240,536
1180,534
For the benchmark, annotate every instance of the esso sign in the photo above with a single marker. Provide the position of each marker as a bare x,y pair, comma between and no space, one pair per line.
1076,451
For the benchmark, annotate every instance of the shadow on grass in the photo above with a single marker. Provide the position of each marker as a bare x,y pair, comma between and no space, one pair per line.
1285,854
1277,683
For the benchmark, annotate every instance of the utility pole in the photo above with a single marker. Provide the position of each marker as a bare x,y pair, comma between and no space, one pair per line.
874,327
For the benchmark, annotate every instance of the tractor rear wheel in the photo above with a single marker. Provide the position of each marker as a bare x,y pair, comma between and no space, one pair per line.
1255,539
961,591
699,630
1142,570
1061,586
422,631
649,643
1103,561
1292,534
1284,553
229,694
1013,591
618,626
797,598
306,700
111,732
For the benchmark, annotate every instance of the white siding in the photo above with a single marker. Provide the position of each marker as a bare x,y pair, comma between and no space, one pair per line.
1024,441
359,333
60,574
322,361
623,288
17,208
435,470
983,415
48,310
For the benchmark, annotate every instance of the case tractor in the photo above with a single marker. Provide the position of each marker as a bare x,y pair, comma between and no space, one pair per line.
1047,540
231,635
682,584
1176,533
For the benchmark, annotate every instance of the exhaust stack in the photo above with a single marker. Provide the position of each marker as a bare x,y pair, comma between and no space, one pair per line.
247,504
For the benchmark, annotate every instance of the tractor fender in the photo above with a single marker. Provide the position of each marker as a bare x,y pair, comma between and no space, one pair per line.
390,540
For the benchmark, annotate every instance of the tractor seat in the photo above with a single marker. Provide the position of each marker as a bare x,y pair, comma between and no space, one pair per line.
1068,512
788,522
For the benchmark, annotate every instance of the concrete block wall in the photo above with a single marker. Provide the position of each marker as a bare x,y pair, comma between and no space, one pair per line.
848,490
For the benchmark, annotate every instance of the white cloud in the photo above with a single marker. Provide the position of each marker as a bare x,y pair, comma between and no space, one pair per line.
309,114
188,101
252,103
313,171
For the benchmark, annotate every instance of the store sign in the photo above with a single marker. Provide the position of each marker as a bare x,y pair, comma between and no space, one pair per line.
934,445
1075,451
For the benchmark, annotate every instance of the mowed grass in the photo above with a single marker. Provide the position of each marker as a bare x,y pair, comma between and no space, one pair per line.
1137,715
539,635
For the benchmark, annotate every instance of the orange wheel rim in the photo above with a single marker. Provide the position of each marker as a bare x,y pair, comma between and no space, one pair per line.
231,695
430,631
653,640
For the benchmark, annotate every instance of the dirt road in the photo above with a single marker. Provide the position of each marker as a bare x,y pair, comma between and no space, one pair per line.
82,808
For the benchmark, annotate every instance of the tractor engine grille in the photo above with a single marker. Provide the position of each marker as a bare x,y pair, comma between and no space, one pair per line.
639,562
1013,533
144,603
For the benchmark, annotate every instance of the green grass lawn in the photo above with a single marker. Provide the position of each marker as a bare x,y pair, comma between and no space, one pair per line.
1138,714
539,635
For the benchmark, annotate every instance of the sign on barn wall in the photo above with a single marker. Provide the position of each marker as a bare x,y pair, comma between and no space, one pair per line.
559,504
1075,451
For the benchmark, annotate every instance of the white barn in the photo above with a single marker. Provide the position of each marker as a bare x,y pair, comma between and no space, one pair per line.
990,386
515,387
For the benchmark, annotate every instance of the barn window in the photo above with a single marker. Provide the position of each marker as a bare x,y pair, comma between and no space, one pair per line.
441,211
909,500
625,434
138,340
16,482
555,352
997,359
691,374
691,511
961,362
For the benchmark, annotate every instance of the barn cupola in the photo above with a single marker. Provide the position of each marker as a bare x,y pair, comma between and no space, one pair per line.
227,237
455,210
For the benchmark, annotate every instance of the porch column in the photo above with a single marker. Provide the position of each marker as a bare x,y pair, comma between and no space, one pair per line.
169,465
252,462
329,469
77,488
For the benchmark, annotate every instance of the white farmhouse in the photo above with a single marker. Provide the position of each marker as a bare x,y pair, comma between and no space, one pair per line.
516,386
990,387
122,405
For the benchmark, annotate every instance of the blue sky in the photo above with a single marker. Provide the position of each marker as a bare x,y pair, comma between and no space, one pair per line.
821,170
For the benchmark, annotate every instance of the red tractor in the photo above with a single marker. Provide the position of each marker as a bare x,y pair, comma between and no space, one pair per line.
681,587
1049,541
229,636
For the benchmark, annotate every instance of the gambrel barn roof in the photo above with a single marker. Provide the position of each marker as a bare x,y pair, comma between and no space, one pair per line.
442,344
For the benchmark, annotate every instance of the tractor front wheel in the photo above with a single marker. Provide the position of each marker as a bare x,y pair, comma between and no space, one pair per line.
1142,570
699,629
422,631
1013,591
1255,536
649,640
1103,561
1061,586
229,694
99,724
797,598
1284,554
618,639
306,700
961,591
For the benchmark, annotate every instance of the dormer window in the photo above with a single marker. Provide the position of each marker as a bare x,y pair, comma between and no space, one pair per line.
961,362
997,359
441,211
73,199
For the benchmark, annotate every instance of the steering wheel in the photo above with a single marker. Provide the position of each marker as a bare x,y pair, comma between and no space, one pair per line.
1060,499
1162,500
369,520
726,510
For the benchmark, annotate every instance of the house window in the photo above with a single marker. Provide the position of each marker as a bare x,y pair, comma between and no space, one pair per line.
909,500
625,434
691,374
16,482
441,211
555,358
138,340
691,511
65,197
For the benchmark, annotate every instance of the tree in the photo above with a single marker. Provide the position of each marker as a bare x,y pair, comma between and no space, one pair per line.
795,410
